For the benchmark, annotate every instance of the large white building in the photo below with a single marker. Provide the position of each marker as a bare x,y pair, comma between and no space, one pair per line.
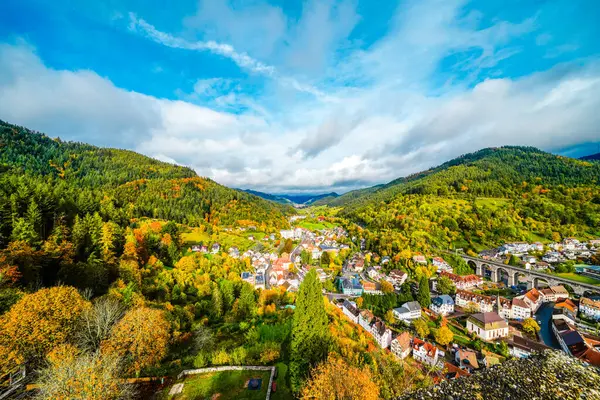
408,312
479,302
488,326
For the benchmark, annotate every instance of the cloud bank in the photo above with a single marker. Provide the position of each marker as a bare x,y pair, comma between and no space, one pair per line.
332,113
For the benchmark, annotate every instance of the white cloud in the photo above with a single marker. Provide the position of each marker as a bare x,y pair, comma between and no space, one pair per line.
355,118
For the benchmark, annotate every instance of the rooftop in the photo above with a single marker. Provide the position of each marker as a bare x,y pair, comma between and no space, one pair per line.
488,320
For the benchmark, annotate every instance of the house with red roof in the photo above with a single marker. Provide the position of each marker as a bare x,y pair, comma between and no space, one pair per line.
426,352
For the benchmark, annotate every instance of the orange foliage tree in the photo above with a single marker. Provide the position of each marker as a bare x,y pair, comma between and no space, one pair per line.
38,323
141,338
334,379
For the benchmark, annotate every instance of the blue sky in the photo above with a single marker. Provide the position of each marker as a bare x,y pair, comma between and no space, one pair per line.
305,96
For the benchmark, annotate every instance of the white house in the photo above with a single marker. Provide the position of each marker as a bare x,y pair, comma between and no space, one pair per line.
287,234
590,308
420,259
381,333
426,352
397,277
401,346
488,326
441,264
533,298
520,310
442,305
408,312
350,309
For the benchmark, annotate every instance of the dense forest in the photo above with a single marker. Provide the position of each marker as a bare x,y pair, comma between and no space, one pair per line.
68,211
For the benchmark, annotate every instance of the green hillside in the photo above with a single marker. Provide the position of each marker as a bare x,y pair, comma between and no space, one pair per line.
125,182
491,172
480,200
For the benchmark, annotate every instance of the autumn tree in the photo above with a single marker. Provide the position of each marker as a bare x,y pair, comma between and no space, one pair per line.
423,295
140,338
386,287
334,379
90,376
97,322
530,326
310,337
288,246
421,327
37,323
389,317
444,335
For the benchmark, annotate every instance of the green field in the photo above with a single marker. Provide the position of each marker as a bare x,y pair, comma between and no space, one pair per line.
229,385
491,202
314,226
579,278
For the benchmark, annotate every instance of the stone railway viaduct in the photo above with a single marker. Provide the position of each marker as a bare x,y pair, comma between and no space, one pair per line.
516,274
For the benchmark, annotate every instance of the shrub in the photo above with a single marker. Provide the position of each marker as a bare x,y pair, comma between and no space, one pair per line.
220,357
239,356
201,360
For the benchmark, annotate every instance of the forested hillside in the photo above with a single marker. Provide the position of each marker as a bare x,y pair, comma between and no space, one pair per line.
66,209
480,199
120,184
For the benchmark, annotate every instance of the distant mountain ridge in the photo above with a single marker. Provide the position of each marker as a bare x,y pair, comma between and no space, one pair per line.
298,199
121,182
490,171
591,157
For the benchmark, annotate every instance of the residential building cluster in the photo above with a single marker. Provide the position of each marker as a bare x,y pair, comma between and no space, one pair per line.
539,256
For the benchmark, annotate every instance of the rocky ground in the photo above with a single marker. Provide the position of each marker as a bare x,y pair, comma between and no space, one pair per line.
548,375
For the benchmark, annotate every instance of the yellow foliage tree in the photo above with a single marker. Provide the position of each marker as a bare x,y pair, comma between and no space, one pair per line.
89,376
444,335
141,338
38,323
334,379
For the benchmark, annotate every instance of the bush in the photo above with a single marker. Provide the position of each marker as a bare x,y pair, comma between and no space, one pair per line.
220,357
239,356
201,360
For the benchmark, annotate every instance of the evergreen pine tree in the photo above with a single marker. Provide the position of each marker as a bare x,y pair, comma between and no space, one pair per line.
423,296
217,302
247,301
310,337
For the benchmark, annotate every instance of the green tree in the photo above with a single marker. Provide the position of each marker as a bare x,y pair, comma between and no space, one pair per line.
445,285
217,302
228,294
24,231
325,258
305,257
423,295
246,304
310,337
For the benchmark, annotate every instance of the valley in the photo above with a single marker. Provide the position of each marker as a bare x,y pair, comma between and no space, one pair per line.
120,266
